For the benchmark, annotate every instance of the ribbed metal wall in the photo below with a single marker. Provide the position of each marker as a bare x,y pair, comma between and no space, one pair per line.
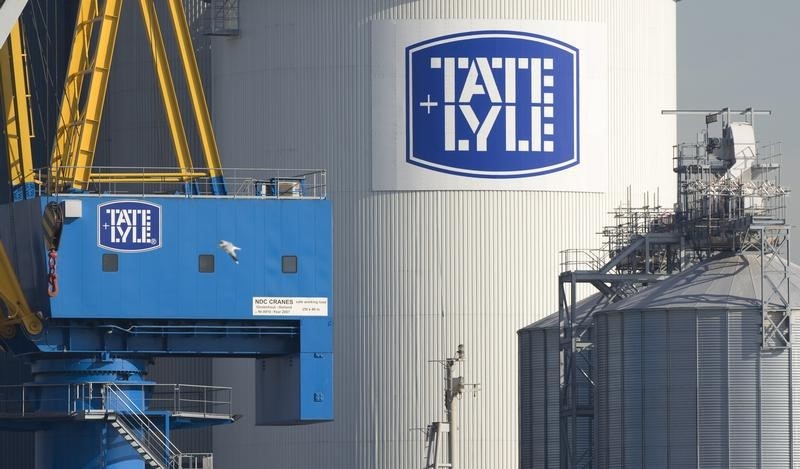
185,370
683,389
540,390
539,384
17,448
417,273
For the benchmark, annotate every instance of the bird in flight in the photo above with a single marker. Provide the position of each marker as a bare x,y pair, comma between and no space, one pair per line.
230,249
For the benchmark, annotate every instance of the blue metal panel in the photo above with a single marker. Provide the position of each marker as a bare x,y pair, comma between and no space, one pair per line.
165,283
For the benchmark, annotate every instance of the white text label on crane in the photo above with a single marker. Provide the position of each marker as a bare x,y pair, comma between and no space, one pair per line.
289,306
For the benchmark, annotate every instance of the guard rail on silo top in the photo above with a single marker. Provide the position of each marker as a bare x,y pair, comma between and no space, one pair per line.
683,381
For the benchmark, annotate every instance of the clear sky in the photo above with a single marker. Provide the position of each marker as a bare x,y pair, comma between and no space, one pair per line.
742,53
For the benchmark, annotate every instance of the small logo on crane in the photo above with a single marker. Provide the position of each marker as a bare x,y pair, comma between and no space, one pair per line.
129,226
492,104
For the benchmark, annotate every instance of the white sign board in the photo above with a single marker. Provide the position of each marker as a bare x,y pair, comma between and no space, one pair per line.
489,105
289,306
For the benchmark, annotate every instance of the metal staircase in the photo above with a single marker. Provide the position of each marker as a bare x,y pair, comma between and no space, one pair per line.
131,437
145,436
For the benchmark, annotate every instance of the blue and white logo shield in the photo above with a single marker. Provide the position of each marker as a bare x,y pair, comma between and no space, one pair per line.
129,226
492,104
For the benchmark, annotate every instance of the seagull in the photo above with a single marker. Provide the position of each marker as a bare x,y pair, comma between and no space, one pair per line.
229,249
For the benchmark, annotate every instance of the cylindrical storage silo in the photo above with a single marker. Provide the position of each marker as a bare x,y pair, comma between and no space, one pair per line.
540,386
539,371
682,380
440,237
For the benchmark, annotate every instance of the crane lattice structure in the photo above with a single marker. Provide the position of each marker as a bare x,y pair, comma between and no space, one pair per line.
103,269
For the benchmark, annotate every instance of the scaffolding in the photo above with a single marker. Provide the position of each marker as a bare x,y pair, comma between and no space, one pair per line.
730,199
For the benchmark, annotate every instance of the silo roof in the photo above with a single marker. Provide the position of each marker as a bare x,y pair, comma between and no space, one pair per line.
730,281
591,303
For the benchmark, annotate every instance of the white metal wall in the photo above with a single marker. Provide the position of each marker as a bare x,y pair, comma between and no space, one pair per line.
416,273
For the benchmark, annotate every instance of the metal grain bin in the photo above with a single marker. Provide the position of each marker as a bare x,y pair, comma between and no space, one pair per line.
539,382
682,380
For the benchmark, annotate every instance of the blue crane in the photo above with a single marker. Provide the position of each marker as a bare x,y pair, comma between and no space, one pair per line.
103,269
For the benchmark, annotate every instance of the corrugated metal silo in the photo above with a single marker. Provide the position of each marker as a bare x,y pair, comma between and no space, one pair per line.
417,272
539,390
682,380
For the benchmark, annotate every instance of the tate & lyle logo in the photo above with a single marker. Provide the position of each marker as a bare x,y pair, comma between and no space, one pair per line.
129,226
492,104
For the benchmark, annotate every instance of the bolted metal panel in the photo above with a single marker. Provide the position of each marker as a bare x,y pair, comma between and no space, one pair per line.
655,367
632,389
682,389
744,389
552,387
794,393
616,399
697,391
527,389
712,388
775,410
600,449
538,399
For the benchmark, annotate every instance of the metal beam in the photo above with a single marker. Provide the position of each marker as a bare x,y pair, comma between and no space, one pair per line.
83,154
69,115
167,87
14,77
13,297
197,95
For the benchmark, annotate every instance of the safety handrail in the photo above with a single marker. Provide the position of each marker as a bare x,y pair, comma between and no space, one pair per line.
39,399
144,180
153,435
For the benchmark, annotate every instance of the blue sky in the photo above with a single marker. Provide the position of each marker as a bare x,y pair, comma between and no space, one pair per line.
742,53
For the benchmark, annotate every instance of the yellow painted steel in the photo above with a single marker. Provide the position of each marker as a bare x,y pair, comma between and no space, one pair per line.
14,78
166,85
76,138
83,151
12,295
62,168
196,92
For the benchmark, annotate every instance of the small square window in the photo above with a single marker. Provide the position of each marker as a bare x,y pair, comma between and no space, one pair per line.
110,263
205,263
289,264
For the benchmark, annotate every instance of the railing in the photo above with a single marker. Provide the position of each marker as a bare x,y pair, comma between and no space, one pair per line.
64,400
197,182
190,399
140,427
194,461
583,259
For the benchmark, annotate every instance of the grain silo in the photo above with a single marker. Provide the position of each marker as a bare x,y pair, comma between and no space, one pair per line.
689,360
428,254
540,388
682,377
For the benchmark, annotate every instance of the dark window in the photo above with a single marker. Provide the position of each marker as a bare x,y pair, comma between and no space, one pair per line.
110,263
205,263
289,264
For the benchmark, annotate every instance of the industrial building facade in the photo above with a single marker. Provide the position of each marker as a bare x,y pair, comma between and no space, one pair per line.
417,270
